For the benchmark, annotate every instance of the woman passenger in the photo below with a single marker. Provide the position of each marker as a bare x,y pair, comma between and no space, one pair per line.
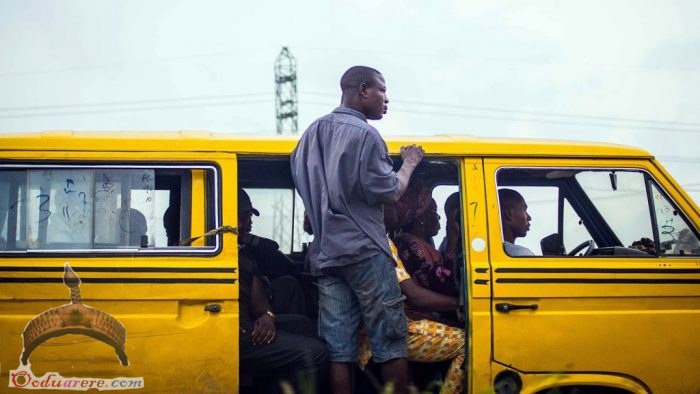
420,222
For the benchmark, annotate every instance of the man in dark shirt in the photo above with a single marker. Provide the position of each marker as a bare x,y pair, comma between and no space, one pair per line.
275,347
279,273
342,170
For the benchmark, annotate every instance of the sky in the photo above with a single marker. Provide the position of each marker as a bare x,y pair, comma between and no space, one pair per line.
610,71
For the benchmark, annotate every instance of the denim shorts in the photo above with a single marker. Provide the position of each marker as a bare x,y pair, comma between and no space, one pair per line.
365,292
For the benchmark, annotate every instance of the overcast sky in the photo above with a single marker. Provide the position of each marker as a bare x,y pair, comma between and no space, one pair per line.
616,71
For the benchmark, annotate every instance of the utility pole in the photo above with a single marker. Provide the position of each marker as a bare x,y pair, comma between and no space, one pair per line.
286,110
286,92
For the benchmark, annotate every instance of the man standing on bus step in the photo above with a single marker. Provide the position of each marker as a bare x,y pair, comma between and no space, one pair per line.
342,170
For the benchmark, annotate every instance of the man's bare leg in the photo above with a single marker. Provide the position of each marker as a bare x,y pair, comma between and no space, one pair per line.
396,371
341,378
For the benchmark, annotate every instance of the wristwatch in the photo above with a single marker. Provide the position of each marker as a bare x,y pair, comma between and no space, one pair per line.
269,313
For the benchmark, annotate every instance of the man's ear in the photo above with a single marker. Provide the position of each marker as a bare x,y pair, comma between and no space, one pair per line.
362,90
508,213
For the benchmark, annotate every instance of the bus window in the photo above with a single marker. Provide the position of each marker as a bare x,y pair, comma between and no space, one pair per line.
78,208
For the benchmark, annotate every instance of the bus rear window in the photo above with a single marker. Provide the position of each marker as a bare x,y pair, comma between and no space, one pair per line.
110,208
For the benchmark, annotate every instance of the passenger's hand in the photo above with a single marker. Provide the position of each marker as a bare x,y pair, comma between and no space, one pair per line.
412,154
263,330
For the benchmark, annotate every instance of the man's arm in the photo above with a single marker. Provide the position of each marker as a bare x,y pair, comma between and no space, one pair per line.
379,182
411,156
264,326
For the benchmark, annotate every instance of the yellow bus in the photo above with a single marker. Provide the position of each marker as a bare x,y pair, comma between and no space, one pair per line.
96,293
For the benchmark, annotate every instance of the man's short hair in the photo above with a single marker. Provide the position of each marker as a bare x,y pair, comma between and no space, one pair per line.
357,75
508,197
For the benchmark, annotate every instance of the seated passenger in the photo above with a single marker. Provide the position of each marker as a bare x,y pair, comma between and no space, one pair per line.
273,263
451,246
275,347
171,223
134,227
279,271
515,221
428,339
687,244
419,222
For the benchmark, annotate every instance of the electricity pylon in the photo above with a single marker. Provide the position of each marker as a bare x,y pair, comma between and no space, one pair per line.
287,113
286,92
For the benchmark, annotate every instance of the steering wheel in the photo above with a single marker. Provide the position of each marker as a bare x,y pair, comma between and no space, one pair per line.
589,244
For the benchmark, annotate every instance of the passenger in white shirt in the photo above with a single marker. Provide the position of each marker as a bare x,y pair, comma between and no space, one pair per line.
515,221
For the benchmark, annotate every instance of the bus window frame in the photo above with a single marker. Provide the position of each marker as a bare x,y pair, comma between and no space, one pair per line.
212,209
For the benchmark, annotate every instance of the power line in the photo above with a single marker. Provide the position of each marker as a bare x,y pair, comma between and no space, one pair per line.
535,120
422,112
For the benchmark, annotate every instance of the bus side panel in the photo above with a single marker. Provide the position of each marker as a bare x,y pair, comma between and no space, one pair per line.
616,315
142,321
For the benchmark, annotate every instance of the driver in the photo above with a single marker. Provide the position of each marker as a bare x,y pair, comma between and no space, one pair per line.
515,221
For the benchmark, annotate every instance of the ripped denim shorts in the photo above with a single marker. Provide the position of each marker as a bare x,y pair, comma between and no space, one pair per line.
367,292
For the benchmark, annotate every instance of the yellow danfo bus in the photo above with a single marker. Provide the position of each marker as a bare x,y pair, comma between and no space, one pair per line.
96,294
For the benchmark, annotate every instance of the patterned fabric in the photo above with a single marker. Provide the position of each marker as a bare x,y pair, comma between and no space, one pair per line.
425,264
431,341
401,273
428,341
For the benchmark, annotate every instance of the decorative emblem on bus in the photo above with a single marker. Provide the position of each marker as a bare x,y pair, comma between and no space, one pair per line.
74,318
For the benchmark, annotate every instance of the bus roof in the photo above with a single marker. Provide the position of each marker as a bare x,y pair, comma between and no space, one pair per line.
202,141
